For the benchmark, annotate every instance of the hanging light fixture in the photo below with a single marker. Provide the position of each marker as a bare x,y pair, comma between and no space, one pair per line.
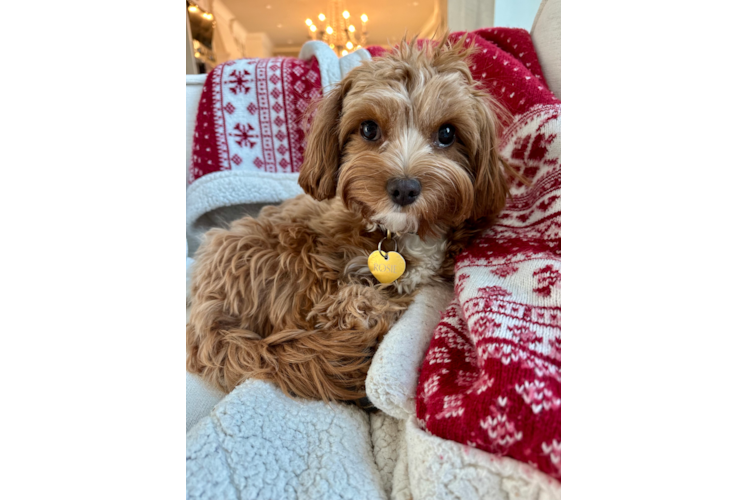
337,30
193,8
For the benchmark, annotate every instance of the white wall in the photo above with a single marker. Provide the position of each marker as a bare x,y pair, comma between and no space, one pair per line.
232,41
259,45
468,15
515,13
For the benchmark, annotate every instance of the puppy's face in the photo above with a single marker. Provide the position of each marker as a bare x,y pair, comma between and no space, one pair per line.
409,141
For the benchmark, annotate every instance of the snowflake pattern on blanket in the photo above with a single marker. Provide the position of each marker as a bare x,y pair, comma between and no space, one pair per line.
249,116
491,377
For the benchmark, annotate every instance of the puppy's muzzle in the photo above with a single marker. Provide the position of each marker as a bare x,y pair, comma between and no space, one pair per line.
404,191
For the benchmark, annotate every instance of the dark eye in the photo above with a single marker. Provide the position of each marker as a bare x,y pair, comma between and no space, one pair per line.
446,135
370,130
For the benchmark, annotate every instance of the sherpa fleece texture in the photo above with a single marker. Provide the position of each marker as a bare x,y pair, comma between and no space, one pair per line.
312,450
393,375
259,444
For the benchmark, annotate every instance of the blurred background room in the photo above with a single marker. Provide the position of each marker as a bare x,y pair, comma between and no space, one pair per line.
222,30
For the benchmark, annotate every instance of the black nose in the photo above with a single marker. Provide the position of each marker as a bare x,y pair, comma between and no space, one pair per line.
403,191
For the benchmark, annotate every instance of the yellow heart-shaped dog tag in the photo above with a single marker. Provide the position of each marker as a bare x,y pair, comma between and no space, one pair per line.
388,267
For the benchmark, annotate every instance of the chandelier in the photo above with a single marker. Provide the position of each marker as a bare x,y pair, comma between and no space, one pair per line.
337,30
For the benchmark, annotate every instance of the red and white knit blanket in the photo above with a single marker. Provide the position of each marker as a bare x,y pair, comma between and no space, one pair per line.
492,373
249,117
491,377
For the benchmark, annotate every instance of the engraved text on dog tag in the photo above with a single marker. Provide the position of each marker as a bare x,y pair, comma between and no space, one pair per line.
386,266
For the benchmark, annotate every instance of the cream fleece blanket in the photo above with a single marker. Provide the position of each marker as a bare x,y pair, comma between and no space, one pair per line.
258,444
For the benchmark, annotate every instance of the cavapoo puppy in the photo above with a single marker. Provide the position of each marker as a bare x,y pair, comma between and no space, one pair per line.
405,145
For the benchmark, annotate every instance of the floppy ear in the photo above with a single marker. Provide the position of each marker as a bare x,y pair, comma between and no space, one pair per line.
319,171
490,183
